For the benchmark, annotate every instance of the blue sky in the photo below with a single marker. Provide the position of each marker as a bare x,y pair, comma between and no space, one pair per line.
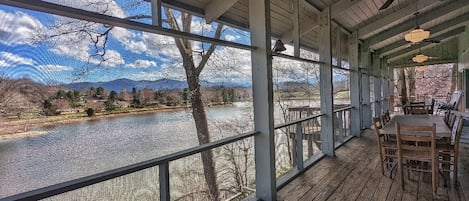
130,54
27,50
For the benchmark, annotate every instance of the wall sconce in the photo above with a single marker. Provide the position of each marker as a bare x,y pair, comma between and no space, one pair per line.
278,48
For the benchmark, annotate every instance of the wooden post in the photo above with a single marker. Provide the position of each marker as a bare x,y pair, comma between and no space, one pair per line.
156,12
377,83
355,92
325,70
261,59
299,147
163,170
296,28
365,87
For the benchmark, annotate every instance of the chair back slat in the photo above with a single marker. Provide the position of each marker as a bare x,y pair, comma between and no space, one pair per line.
456,131
404,133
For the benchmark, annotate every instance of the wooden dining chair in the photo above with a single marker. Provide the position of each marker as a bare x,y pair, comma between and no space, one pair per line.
416,110
416,150
451,120
386,117
386,148
448,152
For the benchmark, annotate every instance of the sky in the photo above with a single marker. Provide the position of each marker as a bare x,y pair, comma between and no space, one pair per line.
33,45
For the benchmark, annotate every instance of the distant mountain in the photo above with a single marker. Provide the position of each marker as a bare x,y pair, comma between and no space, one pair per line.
119,84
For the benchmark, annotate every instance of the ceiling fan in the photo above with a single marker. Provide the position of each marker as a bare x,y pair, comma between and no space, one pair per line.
386,4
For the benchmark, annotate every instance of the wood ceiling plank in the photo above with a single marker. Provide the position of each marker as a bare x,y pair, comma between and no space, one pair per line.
216,8
410,24
435,31
416,48
363,32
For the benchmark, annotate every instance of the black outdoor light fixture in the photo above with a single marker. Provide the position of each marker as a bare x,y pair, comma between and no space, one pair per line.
278,47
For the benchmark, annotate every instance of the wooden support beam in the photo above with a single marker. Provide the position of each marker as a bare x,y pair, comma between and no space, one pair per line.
306,26
410,24
156,13
435,31
325,70
365,62
200,12
355,116
296,28
261,59
216,8
426,63
413,49
367,30
377,84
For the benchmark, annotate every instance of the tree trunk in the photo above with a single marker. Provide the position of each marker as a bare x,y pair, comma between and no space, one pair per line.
401,86
411,83
198,112
203,135
454,77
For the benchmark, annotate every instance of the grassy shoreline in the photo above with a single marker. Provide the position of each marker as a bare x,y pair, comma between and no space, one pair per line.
22,128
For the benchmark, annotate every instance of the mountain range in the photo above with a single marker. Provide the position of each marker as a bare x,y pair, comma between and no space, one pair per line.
119,84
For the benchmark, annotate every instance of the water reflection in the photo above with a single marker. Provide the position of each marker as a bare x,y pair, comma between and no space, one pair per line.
75,150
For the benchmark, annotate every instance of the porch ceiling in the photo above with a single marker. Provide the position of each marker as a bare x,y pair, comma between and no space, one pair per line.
381,31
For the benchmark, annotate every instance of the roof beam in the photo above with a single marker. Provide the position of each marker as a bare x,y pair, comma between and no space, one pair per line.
435,30
426,63
446,36
80,14
365,31
304,27
338,5
410,24
216,8
201,13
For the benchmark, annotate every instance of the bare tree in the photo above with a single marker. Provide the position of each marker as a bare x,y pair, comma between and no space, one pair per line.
99,54
193,80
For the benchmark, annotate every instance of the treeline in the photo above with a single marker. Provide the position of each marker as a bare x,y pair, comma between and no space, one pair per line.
25,96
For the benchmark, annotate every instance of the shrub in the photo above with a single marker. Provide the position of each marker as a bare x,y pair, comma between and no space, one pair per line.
90,112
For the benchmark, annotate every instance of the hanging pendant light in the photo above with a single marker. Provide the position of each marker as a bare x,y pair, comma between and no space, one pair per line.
418,34
419,58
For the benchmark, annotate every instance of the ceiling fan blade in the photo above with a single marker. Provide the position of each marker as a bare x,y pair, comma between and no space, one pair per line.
386,4
431,41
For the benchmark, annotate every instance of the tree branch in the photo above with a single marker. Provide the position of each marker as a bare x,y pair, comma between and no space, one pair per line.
210,50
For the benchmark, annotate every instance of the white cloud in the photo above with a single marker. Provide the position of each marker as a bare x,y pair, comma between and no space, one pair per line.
18,28
230,37
112,58
228,64
8,59
199,26
139,63
54,68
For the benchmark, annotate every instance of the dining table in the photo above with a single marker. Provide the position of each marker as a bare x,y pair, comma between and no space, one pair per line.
442,130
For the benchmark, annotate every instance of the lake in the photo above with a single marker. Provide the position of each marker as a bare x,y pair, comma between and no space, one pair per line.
70,151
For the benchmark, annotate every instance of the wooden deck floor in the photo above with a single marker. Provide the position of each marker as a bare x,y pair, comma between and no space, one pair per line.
354,174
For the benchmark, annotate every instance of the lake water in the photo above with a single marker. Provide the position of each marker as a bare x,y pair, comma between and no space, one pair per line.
70,151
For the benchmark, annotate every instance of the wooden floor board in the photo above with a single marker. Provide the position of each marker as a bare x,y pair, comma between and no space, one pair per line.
371,186
355,174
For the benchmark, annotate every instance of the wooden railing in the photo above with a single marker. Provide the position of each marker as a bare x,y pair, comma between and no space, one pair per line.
343,134
162,163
